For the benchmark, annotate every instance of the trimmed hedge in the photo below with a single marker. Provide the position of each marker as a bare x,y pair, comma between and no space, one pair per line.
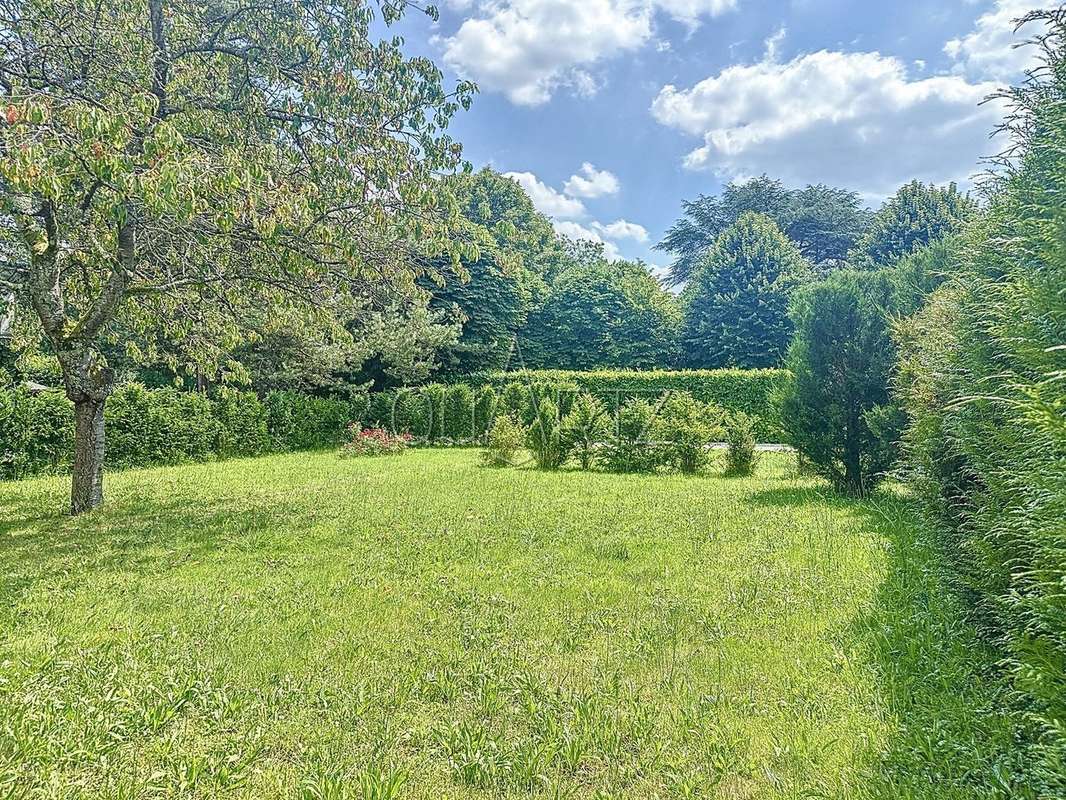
147,427
751,391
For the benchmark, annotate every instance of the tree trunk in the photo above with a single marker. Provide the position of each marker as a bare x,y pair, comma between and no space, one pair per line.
87,484
88,382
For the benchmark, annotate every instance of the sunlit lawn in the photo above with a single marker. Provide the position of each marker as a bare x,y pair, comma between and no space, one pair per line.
425,627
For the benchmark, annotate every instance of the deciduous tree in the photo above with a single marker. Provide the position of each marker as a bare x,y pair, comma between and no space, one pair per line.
165,163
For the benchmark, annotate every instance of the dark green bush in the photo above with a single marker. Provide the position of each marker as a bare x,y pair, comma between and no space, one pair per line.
585,427
158,426
301,422
485,410
750,391
841,361
631,447
545,436
36,432
685,428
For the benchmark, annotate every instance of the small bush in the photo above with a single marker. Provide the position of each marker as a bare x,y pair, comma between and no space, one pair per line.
632,447
545,436
741,457
585,427
374,442
505,441
686,428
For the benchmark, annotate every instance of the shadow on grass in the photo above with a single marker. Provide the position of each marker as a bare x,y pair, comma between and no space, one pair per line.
952,732
134,531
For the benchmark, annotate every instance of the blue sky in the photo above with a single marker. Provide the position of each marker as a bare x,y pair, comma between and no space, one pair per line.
611,112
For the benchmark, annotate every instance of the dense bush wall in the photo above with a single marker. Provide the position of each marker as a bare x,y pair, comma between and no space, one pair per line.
752,391
983,377
164,426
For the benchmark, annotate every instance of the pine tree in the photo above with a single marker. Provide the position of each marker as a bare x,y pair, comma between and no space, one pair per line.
736,307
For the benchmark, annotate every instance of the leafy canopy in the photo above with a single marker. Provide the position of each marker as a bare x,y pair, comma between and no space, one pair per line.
916,216
823,222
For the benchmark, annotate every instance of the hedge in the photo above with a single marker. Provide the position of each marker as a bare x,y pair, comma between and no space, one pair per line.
148,427
751,391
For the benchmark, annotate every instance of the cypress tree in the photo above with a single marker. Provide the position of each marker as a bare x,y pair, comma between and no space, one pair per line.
736,307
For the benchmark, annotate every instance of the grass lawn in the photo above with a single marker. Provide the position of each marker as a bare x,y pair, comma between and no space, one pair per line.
424,627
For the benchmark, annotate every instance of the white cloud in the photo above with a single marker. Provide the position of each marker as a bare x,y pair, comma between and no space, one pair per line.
528,49
850,119
988,51
545,199
591,182
622,229
577,231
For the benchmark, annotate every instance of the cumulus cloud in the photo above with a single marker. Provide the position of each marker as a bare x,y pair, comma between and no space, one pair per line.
622,229
851,119
546,199
528,49
989,51
577,231
591,182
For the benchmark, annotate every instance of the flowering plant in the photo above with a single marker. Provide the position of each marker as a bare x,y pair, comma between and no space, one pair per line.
374,442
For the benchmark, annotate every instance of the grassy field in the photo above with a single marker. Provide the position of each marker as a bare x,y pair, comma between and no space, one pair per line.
425,627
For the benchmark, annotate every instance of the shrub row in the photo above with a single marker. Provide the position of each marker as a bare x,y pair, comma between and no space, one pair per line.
675,432
164,426
751,391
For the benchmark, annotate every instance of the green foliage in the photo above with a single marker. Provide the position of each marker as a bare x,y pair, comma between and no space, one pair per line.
242,424
741,456
506,439
515,400
457,407
301,422
916,216
492,304
36,432
545,436
632,446
841,360
602,313
160,426
584,427
485,409
685,428
823,222
750,391
736,305
982,378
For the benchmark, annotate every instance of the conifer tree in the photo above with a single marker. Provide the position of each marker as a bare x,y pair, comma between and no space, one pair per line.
736,307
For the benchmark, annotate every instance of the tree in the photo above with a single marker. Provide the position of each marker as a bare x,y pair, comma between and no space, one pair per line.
916,216
603,314
166,165
492,302
823,222
736,305
837,409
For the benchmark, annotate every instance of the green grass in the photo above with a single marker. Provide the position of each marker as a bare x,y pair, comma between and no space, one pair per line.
425,627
